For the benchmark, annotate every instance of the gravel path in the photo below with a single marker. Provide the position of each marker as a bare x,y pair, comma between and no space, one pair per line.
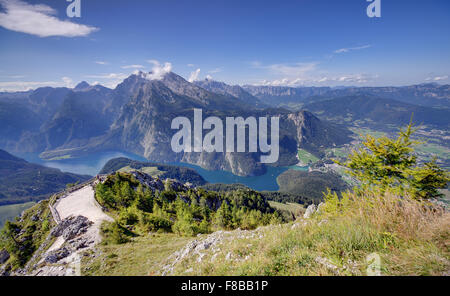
78,203
82,203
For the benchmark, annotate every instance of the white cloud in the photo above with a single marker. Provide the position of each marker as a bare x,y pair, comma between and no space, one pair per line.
194,75
300,74
337,80
154,62
101,63
68,82
348,49
133,67
110,80
437,78
39,20
355,78
24,85
209,77
191,65
158,71
290,74
13,86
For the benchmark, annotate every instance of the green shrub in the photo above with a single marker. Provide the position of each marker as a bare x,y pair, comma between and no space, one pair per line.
391,164
128,216
114,233
155,223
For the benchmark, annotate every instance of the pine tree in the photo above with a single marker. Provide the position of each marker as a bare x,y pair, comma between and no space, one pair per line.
223,217
392,164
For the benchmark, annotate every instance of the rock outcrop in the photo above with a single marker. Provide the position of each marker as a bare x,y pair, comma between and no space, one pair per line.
209,245
153,184
4,256
309,211
312,209
71,227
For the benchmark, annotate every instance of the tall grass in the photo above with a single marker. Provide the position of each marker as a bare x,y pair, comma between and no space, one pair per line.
411,237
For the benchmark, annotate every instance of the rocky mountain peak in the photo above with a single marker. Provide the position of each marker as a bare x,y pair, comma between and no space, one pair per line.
82,86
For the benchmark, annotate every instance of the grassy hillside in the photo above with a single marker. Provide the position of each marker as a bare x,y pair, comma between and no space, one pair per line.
393,224
142,256
23,237
22,182
10,212
409,239
310,185
290,210
306,158
161,171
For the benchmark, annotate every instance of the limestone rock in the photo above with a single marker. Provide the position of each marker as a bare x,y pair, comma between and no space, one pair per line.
309,211
71,227
55,256
4,256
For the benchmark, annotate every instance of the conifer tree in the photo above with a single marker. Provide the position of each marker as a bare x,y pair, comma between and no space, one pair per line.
392,164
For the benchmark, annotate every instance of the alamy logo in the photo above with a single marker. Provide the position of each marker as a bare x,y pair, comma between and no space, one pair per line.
74,266
373,264
74,8
374,8
214,140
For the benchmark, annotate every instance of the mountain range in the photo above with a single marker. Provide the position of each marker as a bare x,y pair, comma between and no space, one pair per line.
136,117
429,94
375,109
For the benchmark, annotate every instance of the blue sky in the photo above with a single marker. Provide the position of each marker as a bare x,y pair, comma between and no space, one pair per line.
302,42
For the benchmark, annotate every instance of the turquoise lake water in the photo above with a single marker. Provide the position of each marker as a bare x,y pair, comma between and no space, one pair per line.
93,163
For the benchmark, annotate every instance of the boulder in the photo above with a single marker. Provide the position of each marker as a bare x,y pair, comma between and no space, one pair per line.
310,211
328,264
153,184
4,256
5,271
175,185
79,226
55,256
320,207
71,227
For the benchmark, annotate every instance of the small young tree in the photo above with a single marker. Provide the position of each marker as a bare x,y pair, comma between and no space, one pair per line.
222,218
392,164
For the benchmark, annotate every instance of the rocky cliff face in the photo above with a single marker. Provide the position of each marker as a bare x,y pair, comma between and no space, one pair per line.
143,126
230,90
137,115
313,134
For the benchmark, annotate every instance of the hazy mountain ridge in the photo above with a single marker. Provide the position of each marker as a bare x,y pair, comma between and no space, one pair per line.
21,181
283,95
136,117
232,90
387,111
431,95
